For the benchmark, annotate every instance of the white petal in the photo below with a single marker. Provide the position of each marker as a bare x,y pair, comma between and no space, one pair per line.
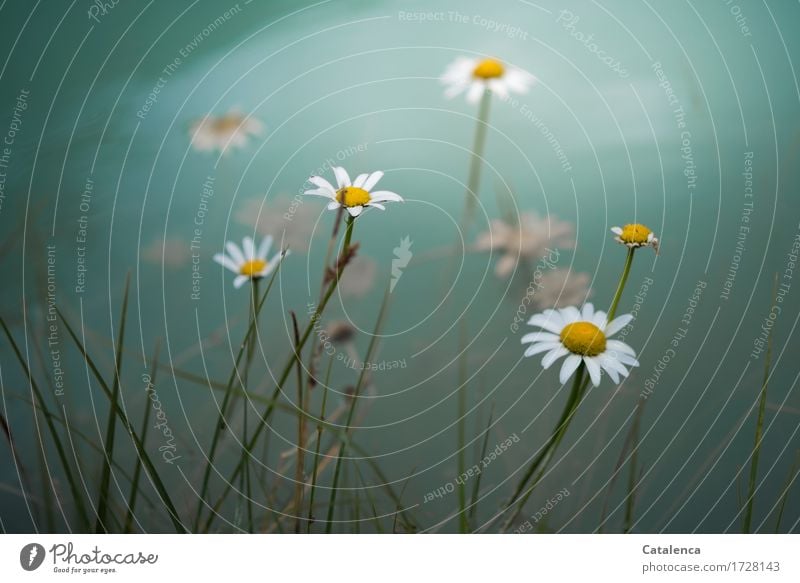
342,178
359,181
234,252
454,90
616,230
600,319
376,205
570,314
518,80
372,180
606,364
621,347
499,88
249,248
334,204
568,368
226,262
588,312
536,348
594,369
618,324
322,183
553,356
263,248
550,324
626,359
555,316
385,195
609,362
475,92
539,337
239,281
355,210
321,192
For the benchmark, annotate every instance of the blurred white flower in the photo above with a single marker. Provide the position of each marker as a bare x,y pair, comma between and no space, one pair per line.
171,252
249,263
353,196
476,75
530,239
559,288
231,130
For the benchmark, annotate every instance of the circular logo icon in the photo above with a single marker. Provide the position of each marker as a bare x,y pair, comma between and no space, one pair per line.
31,556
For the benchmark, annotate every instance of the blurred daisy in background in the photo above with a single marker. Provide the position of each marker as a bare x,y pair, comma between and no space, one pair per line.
354,196
232,130
583,337
475,75
558,288
635,235
532,238
249,263
171,252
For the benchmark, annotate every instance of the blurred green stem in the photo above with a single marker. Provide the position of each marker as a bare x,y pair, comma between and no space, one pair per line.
542,460
476,161
762,405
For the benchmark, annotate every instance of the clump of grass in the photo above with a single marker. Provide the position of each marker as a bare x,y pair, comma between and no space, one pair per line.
111,425
77,493
351,411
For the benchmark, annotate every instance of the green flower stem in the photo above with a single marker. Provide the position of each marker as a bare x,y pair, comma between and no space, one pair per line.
463,522
622,281
762,405
542,460
315,471
251,345
476,162
264,419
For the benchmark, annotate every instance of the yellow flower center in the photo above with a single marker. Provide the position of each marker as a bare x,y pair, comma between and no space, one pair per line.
635,233
352,196
227,123
489,69
583,338
253,268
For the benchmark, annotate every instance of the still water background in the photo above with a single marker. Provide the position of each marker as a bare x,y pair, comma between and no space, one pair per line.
659,132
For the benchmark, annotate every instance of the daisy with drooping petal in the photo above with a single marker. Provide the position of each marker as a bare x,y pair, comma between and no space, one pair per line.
635,235
249,263
583,337
231,130
475,75
353,196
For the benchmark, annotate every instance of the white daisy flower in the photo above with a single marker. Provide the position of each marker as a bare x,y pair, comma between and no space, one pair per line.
355,195
476,75
249,263
635,235
231,130
581,336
